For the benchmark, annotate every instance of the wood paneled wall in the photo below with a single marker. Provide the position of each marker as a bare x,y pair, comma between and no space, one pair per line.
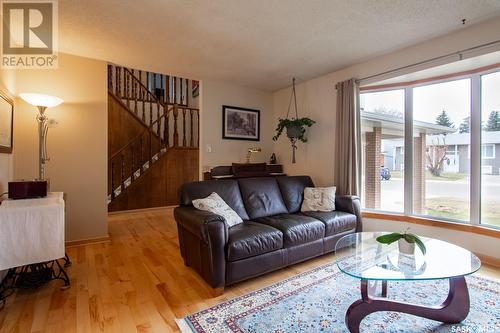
159,185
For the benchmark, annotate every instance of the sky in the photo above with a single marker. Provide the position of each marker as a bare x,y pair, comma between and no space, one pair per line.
430,100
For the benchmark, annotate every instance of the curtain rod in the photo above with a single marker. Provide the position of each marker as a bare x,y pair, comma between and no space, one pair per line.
457,53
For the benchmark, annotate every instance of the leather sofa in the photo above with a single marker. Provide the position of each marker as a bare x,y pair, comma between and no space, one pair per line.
274,233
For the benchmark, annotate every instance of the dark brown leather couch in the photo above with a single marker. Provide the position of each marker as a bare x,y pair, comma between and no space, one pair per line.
274,233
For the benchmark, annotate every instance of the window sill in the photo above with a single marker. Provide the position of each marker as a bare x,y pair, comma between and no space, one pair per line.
475,229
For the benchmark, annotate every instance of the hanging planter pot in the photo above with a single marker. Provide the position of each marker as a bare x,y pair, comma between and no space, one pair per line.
294,132
295,127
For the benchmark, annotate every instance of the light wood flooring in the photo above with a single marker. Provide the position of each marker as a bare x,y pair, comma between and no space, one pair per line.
137,282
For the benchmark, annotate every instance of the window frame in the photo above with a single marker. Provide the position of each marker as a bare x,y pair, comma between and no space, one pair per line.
475,147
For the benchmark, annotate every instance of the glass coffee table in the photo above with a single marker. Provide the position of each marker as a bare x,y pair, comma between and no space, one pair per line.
362,257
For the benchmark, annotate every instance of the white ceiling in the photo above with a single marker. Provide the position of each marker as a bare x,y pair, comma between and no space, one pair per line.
258,43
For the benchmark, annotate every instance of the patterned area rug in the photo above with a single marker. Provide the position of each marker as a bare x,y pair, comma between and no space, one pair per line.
317,300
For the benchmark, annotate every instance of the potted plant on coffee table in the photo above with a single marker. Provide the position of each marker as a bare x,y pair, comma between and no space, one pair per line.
406,242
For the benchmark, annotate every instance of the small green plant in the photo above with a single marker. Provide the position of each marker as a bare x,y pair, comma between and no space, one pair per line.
395,236
301,123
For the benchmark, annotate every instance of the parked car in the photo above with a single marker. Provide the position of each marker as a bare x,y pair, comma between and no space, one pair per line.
385,173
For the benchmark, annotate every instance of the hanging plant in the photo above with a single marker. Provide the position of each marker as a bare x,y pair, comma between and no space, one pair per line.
295,127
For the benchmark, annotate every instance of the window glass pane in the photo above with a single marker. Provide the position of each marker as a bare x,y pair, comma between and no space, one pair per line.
382,121
441,161
490,138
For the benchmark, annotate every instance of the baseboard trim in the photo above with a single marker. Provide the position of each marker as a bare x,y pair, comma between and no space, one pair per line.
140,210
89,241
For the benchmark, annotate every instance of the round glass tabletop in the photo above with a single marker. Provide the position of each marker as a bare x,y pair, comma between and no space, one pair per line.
361,256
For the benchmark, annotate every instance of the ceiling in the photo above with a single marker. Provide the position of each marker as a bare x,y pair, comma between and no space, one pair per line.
259,43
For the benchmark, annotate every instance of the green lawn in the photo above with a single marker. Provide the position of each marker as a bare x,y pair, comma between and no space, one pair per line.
446,176
458,209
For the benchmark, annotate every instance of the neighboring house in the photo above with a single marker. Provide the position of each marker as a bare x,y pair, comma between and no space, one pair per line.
457,153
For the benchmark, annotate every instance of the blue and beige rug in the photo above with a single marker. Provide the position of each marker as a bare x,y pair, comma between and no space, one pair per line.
317,300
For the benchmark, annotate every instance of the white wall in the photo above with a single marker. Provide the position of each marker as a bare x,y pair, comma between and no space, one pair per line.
77,146
317,100
214,94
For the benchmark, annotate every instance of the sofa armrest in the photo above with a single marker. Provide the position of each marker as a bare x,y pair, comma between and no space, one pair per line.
202,240
350,204
201,223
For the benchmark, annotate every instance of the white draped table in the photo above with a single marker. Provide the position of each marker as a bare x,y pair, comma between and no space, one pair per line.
31,231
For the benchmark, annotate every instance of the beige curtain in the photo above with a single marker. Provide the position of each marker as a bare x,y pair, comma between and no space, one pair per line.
347,159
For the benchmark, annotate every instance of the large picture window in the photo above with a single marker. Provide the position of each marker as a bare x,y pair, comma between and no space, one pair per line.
490,152
438,124
383,149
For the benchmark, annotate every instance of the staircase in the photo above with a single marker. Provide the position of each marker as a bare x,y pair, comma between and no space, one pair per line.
160,103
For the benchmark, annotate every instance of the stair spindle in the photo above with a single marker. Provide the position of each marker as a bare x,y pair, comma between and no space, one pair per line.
181,97
136,110
183,127
167,89
176,133
191,140
117,78
158,115
110,78
187,92
112,180
122,171
166,136
132,165
150,114
175,90
143,98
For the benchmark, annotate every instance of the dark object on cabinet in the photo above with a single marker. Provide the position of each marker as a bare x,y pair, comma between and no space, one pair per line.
27,189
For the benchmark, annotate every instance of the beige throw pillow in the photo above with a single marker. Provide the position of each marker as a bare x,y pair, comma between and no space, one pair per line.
214,204
320,199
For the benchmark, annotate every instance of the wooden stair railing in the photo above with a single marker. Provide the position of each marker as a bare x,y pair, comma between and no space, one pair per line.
140,153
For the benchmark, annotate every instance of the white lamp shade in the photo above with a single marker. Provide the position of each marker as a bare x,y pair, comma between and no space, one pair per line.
41,100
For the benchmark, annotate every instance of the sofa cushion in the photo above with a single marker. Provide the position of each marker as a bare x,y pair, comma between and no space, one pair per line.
297,229
336,221
227,189
261,196
214,204
292,190
250,239
319,199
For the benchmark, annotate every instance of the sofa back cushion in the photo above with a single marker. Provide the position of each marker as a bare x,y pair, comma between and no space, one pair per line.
227,189
292,191
261,196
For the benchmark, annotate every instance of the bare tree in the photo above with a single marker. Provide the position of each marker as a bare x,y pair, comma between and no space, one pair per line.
435,156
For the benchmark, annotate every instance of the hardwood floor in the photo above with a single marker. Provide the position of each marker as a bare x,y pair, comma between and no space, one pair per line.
135,283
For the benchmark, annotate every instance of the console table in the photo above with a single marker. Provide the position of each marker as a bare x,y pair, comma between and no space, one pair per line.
31,242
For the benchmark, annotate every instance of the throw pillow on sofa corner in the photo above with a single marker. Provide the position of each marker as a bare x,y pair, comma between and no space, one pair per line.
215,204
319,199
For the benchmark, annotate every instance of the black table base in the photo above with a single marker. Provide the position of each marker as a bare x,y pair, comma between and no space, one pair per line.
34,276
453,310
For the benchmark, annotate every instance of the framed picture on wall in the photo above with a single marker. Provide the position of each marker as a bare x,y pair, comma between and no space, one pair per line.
240,123
6,123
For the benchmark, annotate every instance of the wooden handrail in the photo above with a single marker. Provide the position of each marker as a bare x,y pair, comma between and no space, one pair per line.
129,162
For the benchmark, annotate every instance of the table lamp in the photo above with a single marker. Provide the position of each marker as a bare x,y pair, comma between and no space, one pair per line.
250,151
42,102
